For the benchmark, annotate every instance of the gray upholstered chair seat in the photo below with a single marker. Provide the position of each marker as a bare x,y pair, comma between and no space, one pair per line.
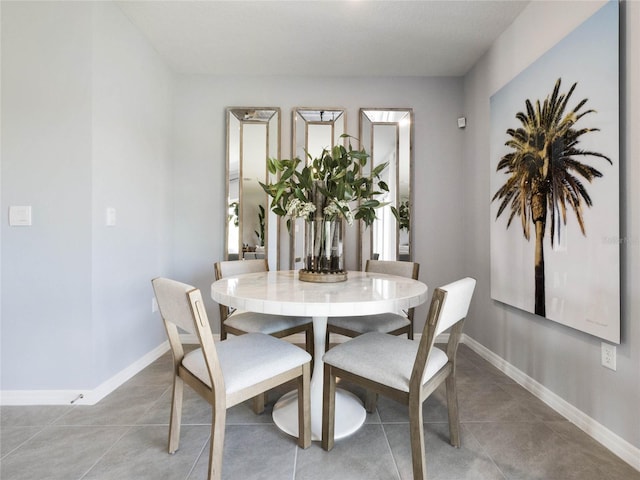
383,322
269,357
385,359
263,323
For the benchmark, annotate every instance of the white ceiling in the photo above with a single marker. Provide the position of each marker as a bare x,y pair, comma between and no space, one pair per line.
312,37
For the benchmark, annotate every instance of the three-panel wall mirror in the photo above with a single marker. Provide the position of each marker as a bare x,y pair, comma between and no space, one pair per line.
253,135
314,129
386,134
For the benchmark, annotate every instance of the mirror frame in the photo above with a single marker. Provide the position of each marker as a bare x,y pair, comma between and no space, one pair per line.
369,118
302,118
269,116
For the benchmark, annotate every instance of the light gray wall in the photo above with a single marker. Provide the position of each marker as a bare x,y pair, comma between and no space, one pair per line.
199,154
565,361
85,125
131,163
46,163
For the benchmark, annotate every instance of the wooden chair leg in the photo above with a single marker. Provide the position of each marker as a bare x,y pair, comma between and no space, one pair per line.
416,428
223,332
258,402
371,401
328,408
452,409
308,339
216,446
176,414
304,408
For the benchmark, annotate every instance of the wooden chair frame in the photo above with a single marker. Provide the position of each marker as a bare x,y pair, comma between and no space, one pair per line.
258,265
418,392
216,395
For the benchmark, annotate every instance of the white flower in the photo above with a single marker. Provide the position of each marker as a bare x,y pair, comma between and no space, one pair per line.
306,209
331,210
339,207
296,208
292,207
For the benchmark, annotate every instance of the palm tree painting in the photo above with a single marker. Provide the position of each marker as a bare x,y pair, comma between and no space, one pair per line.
547,173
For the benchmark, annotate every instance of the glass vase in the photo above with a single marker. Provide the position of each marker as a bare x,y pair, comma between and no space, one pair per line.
323,260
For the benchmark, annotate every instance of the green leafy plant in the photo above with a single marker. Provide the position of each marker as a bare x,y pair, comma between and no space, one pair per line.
326,186
402,214
234,216
260,233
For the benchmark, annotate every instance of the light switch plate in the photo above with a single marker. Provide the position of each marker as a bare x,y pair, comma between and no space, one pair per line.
20,215
110,217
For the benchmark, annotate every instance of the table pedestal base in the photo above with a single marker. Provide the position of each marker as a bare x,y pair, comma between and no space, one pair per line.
350,415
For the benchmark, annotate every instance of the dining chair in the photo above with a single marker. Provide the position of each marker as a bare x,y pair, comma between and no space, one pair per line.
238,322
227,373
404,370
395,323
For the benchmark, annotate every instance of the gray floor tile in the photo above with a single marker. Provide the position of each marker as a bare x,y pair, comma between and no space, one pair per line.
12,437
142,454
507,434
434,409
59,453
613,466
125,406
365,455
528,451
444,462
26,416
252,452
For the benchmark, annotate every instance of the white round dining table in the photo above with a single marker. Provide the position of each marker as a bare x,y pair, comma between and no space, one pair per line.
282,293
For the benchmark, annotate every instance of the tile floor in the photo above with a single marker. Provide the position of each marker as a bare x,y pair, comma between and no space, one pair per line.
506,434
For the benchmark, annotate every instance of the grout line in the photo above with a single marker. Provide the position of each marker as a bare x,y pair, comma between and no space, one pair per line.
27,440
106,451
393,458
195,462
295,461
483,449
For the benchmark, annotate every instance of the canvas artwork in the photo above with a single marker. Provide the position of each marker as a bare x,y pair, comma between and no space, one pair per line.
555,182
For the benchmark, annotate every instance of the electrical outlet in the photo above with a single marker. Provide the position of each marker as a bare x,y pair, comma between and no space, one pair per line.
608,356
154,305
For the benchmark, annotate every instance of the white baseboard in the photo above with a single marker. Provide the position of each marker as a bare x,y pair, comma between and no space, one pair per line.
86,396
625,450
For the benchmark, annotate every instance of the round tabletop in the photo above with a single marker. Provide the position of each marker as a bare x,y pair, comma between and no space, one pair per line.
282,293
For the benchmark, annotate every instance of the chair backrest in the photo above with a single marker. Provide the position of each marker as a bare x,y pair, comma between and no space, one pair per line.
181,305
228,268
456,303
239,267
449,307
391,267
172,302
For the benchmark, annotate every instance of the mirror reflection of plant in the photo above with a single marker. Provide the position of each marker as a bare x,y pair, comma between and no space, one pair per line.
260,233
328,184
234,215
402,214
